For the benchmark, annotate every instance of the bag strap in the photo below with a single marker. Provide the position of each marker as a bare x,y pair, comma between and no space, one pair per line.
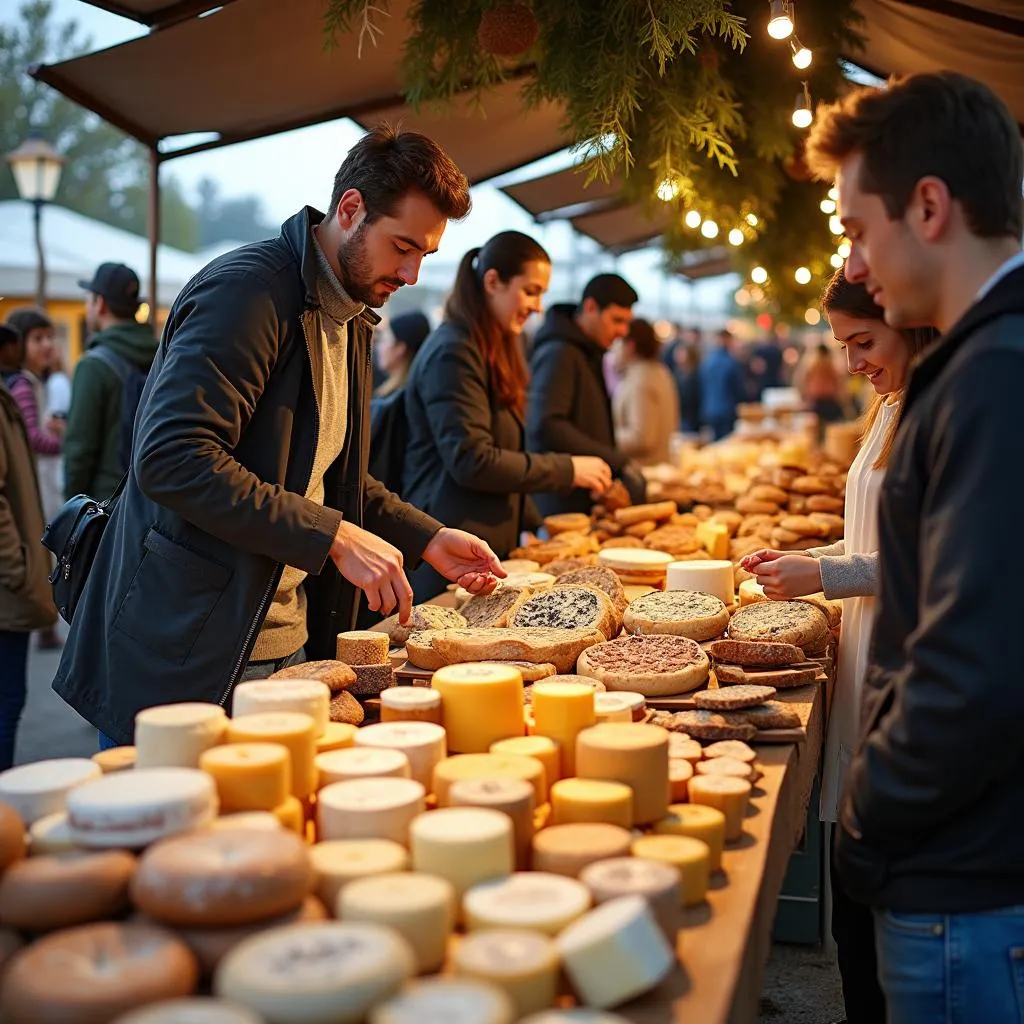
117,363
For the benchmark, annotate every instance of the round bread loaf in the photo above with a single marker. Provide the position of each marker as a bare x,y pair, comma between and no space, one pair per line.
655,666
788,622
335,674
680,612
567,606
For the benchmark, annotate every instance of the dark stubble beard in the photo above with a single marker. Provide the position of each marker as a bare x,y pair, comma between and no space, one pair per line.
357,276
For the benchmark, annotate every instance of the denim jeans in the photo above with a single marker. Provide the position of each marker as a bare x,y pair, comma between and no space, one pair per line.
952,968
13,667
252,671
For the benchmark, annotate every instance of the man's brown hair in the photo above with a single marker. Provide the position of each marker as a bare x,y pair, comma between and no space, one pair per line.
388,163
944,125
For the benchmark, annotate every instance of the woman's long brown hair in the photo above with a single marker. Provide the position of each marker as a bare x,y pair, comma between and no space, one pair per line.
507,253
842,296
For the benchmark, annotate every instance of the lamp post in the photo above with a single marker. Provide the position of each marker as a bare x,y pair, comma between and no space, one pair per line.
36,166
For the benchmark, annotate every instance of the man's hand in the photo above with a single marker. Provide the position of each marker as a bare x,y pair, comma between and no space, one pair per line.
784,574
375,567
464,559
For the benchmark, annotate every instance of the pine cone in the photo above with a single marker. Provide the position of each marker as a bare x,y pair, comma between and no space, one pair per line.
507,29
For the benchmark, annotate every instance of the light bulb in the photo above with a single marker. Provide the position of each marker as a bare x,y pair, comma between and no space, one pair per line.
802,57
736,237
833,193
752,220
843,249
812,317
668,190
759,275
836,260
827,206
780,19
802,275
692,219
709,229
835,224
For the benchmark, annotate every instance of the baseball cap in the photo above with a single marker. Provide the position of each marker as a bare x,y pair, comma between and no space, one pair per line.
118,284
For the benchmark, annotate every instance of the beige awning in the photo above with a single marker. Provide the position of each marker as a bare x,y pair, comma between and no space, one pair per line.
551,193
157,13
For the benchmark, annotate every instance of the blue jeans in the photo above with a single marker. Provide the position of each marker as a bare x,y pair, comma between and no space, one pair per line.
952,968
253,670
13,667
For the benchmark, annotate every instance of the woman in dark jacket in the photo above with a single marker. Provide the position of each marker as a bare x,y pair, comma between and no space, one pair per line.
465,401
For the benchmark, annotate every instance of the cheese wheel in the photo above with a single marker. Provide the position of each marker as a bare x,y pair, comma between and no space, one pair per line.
212,879
635,561
521,963
466,845
679,774
423,743
514,797
191,1011
727,766
338,862
291,815
534,900
542,748
12,836
51,834
336,736
375,808
53,891
691,856
480,703
682,748
264,821
411,704
610,707
316,972
726,794
91,974
420,907
362,647
568,849
294,730
249,776
637,703
488,766
715,577
361,763
174,735
634,754
660,883
306,696
577,1016
41,788
115,759
591,800
134,809
615,952
735,749
561,711
451,1000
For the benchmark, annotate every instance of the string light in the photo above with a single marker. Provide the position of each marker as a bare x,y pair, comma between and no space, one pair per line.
752,220
736,237
833,193
812,317
759,275
802,275
668,190
742,297
836,260
709,229
803,116
802,57
780,19
835,225
827,206
693,219
843,249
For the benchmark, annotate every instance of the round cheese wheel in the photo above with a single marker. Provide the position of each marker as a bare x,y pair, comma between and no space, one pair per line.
634,560
297,731
305,696
174,735
115,759
691,856
481,703
41,788
729,795
568,849
211,878
134,809
679,774
523,964
91,974
591,800
514,797
291,815
264,821
51,834
12,836
191,1011
336,736
612,707
361,763
577,1016
533,900
711,576
542,748
423,743
410,704
317,972
489,766
249,776
338,862
452,1000
369,809
697,822
658,882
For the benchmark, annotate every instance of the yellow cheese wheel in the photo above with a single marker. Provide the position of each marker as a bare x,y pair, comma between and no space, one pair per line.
336,736
249,776
543,748
682,748
263,821
174,735
523,964
481,703
514,797
591,800
561,711
338,862
691,856
488,766
730,796
115,759
293,729
568,849
291,815
698,822
679,774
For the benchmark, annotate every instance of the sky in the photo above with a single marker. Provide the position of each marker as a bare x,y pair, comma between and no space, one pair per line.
288,170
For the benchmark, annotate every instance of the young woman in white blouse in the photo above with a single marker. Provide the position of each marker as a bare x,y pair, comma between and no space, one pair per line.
849,570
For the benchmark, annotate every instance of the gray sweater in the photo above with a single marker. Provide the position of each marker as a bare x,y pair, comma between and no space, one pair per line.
844,575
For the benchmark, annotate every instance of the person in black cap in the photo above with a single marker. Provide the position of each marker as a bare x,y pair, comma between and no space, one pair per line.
396,348
119,349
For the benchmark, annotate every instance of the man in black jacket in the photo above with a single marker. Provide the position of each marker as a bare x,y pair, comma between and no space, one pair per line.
568,409
929,174
249,523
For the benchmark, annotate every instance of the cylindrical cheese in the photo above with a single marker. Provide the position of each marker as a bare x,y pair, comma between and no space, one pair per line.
369,809
691,856
535,900
481,703
451,1000
361,763
423,743
115,759
41,788
730,796
591,800
568,849
522,963
660,883
291,815
679,774
249,776
293,729
682,748
637,703
411,704
631,753
338,862
362,647
488,766
707,577
561,711
728,766
51,834
262,821
514,797
306,696
336,736
610,707
543,748
174,735
191,1010
420,907
698,822
466,845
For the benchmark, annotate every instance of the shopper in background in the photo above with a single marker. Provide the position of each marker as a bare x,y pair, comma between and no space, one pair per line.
720,387
395,348
465,403
646,406
849,571
686,373
929,174
818,383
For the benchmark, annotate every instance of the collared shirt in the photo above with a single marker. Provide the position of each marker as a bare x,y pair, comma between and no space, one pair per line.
1012,264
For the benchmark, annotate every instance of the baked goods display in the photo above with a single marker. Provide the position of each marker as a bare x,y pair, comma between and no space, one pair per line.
654,665
681,612
567,606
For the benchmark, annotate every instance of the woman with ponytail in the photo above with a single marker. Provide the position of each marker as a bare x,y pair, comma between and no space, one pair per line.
849,570
465,401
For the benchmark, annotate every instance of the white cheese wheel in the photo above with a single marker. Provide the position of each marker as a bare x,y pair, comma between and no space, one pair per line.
534,900
263,821
612,707
421,908
376,808
576,1016
423,743
41,788
524,964
634,560
410,704
134,809
615,952
361,763
339,861
708,577
174,735
659,883
326,972
447,1000
307,696
51,834
191,1011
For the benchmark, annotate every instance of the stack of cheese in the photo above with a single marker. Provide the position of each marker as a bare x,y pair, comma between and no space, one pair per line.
366,652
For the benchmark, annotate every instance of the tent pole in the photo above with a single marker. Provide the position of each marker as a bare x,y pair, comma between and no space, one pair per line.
154,230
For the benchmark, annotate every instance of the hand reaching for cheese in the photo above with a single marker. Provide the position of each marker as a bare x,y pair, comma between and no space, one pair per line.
464,559
784,574
375,567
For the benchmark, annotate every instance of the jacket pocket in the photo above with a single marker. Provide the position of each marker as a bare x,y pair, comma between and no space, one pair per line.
171,596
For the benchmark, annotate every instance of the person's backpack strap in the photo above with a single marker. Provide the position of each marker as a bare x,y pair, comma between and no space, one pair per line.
117,363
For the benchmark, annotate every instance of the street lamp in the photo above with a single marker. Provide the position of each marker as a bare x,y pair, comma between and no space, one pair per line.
36,167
